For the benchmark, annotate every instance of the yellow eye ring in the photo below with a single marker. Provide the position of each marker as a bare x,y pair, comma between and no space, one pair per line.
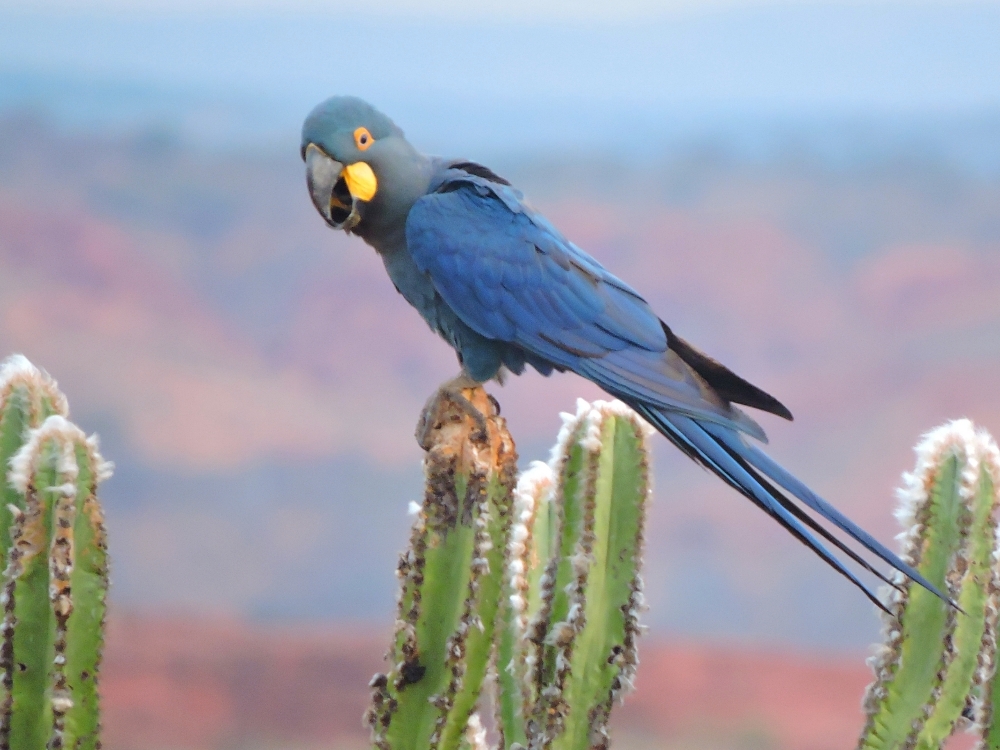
363,139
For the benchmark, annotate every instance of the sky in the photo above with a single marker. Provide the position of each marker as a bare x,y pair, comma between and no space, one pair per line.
519,76
509,10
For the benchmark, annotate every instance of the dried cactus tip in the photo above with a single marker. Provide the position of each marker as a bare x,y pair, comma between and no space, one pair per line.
17,369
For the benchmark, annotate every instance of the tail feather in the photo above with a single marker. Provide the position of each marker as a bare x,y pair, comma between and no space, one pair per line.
811,522
710,453
750,471
781,476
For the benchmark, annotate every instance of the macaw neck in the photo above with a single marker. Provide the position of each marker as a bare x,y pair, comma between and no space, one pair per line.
403,180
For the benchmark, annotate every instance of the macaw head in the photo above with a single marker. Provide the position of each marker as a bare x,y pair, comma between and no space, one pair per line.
357,160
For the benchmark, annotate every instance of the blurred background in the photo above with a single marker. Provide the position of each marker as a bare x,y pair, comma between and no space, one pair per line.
808,191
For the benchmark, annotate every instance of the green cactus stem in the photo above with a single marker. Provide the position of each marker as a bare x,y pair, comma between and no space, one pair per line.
451,582
935,659
55,580
27,396
575,588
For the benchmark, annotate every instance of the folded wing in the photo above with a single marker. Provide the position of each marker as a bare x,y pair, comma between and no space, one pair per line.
512,277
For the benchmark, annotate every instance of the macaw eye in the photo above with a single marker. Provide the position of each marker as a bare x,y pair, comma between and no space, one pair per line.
363,139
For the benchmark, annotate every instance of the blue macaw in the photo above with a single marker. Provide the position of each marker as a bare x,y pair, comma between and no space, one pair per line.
503,286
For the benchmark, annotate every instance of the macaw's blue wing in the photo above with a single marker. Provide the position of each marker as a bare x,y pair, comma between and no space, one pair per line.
510,276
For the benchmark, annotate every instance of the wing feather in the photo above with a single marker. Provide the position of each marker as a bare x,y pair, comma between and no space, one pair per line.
510,276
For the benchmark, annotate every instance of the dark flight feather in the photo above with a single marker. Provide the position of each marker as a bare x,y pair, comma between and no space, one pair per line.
724,381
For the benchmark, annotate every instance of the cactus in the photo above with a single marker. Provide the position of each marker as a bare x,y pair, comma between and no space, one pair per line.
55,580
543,581
936,665
452,578
574,585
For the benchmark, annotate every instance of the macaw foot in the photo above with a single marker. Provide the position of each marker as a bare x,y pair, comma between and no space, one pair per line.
452,393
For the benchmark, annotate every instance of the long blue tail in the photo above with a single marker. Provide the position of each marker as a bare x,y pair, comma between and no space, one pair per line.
754,474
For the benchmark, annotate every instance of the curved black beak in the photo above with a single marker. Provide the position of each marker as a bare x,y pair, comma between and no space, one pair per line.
328,189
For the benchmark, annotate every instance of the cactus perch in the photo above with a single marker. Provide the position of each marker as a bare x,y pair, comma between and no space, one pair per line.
544,582
451,581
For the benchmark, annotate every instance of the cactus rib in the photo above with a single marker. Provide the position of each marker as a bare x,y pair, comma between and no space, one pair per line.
529,545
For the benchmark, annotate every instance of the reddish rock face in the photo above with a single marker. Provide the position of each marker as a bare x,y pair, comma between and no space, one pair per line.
197,684
201,685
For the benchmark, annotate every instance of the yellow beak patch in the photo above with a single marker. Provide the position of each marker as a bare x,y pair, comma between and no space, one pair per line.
361,181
